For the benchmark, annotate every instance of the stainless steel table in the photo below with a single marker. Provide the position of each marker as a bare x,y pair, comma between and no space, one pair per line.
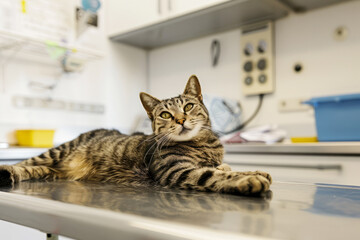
103,211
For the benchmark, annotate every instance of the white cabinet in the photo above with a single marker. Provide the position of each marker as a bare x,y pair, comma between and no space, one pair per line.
13,231
124,15
180,7
327,169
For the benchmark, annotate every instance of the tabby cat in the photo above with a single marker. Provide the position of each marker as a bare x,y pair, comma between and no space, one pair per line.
183,152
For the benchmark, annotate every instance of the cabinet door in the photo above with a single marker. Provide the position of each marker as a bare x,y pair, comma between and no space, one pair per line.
300,168
125,15
14,231
180,7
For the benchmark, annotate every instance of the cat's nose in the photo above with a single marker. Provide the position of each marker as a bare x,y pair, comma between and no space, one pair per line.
180,121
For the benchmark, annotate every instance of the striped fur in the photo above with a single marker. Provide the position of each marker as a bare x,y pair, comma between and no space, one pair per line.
182,153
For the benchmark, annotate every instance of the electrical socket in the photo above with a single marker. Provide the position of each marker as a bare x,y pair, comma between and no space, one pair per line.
293,105
257,55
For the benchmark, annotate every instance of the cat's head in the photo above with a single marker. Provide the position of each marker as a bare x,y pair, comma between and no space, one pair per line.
179,118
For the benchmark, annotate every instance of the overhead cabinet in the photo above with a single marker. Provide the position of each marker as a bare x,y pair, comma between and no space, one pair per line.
181,7
124,16
154,23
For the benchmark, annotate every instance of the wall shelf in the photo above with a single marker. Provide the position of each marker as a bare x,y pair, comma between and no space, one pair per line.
14,44
306,5
222,17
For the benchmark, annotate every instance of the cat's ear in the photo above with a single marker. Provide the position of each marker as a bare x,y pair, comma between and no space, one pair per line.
193,88
149,103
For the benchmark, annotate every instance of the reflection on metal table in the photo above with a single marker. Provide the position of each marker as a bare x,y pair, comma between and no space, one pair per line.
104,211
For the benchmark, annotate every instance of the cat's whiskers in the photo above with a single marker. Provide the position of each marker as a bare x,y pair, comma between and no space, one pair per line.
200,121
164,140
196,121
212,130
150,138
156,143
161,138
152,145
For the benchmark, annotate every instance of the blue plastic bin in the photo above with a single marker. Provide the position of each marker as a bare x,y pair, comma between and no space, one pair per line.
337,117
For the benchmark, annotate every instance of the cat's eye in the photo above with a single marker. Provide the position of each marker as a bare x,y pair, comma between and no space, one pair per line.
165,115
188,107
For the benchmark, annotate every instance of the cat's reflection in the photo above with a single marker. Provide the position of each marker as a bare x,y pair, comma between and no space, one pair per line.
149,201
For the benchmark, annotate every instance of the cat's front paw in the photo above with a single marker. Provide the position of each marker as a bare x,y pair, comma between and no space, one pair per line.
251,185
264,174
6,177
223,167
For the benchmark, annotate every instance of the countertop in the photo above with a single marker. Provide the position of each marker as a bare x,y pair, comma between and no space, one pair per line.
324,148
104,211
20,153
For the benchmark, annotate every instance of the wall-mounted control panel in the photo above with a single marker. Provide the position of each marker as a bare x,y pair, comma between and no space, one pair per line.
257,59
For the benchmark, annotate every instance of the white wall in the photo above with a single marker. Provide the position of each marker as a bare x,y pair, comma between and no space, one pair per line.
114,81
330,67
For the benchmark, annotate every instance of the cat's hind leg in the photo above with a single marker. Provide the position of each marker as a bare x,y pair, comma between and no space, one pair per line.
13,174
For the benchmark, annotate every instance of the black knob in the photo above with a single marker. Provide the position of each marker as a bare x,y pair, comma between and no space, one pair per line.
248,66
262,46
262,78
298,67
249,49
261,64
248,80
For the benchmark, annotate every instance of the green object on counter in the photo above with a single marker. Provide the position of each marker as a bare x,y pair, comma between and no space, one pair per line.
54,50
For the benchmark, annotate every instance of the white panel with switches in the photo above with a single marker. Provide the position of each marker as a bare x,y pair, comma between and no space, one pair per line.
257,55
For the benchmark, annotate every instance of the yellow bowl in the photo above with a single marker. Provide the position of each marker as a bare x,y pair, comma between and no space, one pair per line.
35,138
304,139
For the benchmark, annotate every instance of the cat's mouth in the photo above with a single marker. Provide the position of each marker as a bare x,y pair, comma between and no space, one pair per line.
186,133
184,130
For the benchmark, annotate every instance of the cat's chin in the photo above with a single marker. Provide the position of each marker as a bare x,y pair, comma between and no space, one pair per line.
186,134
